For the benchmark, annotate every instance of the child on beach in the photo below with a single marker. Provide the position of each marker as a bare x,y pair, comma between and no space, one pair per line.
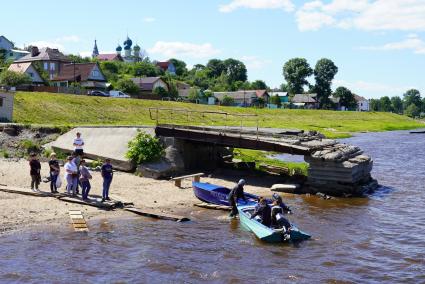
85,179
107,174
35,168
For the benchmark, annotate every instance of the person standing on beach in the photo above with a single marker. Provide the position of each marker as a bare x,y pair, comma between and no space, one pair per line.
78,144
35,169
71,176
107,174
85,180
236,193
54,172
76,159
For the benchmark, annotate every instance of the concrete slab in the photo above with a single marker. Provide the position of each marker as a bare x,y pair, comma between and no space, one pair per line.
102,142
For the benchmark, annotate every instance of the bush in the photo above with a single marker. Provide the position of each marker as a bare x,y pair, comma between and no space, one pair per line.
144,148
160,91
127,86
14,79
227,101
30,146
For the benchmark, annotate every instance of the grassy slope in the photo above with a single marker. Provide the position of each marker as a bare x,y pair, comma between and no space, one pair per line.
59,109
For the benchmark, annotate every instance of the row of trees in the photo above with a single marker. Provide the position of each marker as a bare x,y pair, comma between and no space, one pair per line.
412,104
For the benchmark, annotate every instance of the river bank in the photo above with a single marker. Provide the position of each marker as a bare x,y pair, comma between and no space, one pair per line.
18,211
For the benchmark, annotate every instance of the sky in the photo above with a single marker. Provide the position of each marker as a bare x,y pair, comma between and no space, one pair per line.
378,46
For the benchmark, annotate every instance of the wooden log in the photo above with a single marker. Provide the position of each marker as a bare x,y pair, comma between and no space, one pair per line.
147,213
213,206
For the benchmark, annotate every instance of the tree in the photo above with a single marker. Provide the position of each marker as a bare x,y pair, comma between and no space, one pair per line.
397,104
276,101
412,110
346,98
127,86
258,85
142,68
160,91
324,72
14,79
375,105
235,70
78,58
295,72
227,101
193,95
180,66
412,96
216,67
385,104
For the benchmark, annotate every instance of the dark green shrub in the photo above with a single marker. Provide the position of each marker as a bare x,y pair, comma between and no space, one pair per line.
144,148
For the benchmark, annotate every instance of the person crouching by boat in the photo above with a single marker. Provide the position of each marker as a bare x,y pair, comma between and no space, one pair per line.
71,176
236,193
54,172
276,197
107,174
277,219
35,168
263,211
85,178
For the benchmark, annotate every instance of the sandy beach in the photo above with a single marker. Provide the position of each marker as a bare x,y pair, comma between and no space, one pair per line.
19,211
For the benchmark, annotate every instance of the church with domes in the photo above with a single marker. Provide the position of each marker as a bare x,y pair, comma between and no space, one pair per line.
131,53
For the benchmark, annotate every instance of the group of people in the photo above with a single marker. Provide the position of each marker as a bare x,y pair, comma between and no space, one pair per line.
77,175
270,215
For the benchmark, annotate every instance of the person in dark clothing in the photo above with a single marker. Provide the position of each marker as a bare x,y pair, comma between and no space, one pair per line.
277,219
107,174
54,172
276,197
236,193
263,210
35,168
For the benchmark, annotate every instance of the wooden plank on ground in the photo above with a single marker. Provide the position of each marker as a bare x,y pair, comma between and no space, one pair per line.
78,221
213,206
94,203
148,213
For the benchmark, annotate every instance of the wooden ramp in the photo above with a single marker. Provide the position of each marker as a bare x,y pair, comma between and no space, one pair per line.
148,213
78,221
213,206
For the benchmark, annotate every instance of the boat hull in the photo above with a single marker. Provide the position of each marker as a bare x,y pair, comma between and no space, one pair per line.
218,195
265,233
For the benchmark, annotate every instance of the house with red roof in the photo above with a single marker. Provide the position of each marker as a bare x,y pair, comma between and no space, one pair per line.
167,66
88,75
110,57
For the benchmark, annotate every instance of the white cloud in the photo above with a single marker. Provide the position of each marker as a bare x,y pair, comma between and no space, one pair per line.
372,90
58,42
183,49
149,19
412,42
254,62
378,15
286,5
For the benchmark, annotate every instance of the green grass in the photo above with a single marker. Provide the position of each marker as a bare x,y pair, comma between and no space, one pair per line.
69,110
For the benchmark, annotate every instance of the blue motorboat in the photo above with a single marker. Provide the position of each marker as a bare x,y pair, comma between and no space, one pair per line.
265,233
216,194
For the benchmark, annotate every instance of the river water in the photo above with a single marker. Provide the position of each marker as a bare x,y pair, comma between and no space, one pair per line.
379,239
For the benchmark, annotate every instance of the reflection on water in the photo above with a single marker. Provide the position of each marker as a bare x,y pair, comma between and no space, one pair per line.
379,239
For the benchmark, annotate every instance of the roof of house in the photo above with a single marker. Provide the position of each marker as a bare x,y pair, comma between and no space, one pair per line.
163,64
45,54
19,67
146,83
304,98
2,37
236,95
261,93
109,57
359,98
82,72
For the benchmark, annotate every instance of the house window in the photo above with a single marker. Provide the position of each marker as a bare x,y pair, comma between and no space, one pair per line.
31,74
11,54
94,73
46,66
52,66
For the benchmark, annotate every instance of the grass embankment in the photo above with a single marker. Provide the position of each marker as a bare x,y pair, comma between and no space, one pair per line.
69,110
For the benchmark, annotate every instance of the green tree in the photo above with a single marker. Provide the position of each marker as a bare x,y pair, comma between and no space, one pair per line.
375,105
144,148
227,101
397,104
160,91
144,69
235,70
385,104
346,98
412,96
276,101
295,72
14,79
193,95
324,72
259,85
216,67
180,66
127,86
412,110
78,58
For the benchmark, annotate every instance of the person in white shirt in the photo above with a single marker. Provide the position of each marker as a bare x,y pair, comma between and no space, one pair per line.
71,176
78,144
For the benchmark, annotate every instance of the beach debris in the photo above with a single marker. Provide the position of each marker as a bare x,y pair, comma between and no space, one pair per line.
287,188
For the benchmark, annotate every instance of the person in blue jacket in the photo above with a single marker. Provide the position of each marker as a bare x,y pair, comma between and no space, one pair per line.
107,174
